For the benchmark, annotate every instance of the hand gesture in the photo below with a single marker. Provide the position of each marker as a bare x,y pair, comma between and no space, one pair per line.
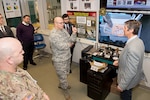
74,30
115,63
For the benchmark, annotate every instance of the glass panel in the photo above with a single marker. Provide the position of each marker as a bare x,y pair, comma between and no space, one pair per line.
53,10
33,8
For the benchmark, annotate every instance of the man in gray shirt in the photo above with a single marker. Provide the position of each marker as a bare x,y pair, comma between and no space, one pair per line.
130,61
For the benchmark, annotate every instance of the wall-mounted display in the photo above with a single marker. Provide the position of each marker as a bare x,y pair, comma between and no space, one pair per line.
145,32
111,29
129,4
85,23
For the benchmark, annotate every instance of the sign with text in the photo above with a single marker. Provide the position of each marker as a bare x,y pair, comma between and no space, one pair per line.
85,23
12,8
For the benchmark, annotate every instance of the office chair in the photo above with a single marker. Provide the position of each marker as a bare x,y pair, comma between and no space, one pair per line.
39,45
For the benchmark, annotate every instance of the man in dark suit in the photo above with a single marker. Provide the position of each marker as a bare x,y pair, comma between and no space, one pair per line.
5,31
130,61
68,26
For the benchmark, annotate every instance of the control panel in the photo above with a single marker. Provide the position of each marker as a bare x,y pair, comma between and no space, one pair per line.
103,54
106,54
109,53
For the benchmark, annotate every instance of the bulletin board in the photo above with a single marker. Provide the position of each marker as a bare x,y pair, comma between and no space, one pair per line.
85,23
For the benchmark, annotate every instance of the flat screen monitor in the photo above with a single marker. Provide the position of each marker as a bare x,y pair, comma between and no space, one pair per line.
128,4
111,28
145,32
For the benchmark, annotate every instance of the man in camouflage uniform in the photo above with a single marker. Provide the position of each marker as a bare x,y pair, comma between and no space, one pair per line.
15,83
61,42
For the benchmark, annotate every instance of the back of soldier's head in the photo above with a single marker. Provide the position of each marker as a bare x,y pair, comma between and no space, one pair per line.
8,46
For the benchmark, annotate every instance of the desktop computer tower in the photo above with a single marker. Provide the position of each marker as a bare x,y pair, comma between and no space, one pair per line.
84,66
98,85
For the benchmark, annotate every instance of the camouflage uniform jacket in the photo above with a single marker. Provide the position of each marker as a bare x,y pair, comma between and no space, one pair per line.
18,85
59,41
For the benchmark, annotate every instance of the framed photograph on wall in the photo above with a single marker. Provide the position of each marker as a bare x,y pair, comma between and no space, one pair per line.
88,5
72,5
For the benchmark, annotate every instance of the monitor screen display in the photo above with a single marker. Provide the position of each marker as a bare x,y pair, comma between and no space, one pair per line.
111,28
145,32
129,4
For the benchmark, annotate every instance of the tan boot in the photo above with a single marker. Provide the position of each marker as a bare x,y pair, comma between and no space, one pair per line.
67,95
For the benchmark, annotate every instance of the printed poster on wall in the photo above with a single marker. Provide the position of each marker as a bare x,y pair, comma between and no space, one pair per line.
12,8
85,23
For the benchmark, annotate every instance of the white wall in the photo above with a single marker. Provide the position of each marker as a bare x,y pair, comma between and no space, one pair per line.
24,7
